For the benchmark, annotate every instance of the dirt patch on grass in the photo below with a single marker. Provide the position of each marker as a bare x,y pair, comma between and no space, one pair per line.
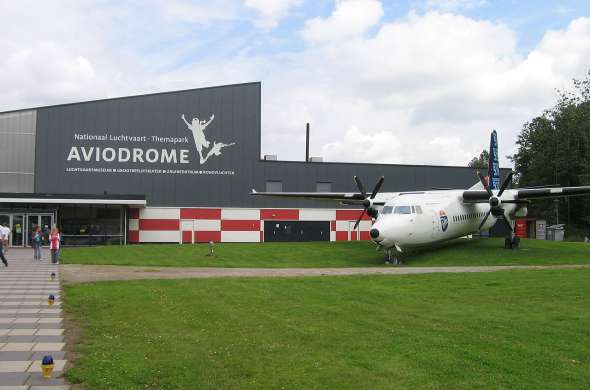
72,273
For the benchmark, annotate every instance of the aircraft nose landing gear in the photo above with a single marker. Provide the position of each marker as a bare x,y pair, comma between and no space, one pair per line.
391,256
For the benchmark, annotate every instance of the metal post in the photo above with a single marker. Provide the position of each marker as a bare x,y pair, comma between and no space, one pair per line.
307,142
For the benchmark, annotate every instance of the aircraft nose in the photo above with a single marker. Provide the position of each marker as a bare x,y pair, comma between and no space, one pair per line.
374,233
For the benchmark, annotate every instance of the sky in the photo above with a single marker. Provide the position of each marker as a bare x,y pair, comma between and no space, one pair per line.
401,82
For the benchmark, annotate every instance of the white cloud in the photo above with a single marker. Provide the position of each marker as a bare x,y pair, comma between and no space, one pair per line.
454,5
270,12
423,89
423,79
349,18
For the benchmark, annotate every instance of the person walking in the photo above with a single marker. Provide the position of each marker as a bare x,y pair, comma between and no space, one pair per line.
2,246
54,239
5,236
36,239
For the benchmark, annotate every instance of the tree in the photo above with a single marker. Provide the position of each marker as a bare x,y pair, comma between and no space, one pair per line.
480,162
554,148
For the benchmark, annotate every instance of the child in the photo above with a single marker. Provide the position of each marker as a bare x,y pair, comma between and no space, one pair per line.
54,239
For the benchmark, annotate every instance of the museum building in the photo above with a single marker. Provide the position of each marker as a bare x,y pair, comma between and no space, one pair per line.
177,167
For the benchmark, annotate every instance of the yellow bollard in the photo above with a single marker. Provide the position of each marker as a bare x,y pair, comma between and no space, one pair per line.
51,300
47,366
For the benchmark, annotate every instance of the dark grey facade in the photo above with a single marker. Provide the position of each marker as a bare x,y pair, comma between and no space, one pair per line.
224,180
175,167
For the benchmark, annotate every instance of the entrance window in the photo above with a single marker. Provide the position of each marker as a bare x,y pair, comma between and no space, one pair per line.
92,224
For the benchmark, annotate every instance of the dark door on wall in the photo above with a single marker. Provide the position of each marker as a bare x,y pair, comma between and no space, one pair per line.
289,231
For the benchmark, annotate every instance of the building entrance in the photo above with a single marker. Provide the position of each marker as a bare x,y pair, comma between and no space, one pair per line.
22,224
296,231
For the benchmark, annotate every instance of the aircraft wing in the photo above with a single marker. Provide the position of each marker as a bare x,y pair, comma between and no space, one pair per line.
524,194
540,193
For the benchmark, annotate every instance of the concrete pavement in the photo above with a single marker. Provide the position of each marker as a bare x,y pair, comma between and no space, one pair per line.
29,328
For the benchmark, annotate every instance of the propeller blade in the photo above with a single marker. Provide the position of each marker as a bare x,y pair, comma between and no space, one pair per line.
484,219
359,184
506,222
359,220
485,185
505,184
377,187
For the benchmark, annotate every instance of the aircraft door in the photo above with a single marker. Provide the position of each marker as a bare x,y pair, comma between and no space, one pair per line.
435,223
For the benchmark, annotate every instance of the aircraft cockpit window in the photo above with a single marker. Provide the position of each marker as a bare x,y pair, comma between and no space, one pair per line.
387,210
413,210
402,210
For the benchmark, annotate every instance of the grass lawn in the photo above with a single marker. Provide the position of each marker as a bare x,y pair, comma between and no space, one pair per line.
522,329
328,254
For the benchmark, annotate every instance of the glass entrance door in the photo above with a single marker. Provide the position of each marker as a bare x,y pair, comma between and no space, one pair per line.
17,229
34,220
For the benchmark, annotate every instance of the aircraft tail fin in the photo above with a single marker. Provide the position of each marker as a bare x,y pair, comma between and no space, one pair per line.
493,164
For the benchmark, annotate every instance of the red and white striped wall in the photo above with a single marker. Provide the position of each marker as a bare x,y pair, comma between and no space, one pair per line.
188,225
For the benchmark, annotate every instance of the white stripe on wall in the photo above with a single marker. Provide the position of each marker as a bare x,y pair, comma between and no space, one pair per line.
365,225
187,224
159,213
342,226
240,214
240,236
134,224
332,236
317,215
208,225
158,236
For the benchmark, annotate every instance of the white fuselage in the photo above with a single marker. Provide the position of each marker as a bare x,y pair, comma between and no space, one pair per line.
421,218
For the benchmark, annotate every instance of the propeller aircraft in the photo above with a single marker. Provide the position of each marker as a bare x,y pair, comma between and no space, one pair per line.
405,220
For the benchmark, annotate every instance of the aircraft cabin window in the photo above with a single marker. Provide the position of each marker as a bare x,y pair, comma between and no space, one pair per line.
402,210
418,210
387,210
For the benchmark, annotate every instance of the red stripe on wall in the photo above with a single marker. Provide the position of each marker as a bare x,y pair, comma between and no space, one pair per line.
207,236
187,237
200,213
350,215
240,225
353,236
159,224
133,213
365,236
133,236
279,214
333,225
341,236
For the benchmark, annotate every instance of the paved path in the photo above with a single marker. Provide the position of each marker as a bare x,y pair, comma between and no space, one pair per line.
29,329
72,273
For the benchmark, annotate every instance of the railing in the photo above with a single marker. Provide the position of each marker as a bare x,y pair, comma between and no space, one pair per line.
92,239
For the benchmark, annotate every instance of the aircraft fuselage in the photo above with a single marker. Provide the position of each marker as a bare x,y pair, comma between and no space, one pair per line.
418,219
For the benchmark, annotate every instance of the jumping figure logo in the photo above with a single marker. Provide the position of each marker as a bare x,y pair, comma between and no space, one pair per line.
197,127
444,220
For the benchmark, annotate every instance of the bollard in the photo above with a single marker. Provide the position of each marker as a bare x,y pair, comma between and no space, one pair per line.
51,300
210,249
47,366
53,276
